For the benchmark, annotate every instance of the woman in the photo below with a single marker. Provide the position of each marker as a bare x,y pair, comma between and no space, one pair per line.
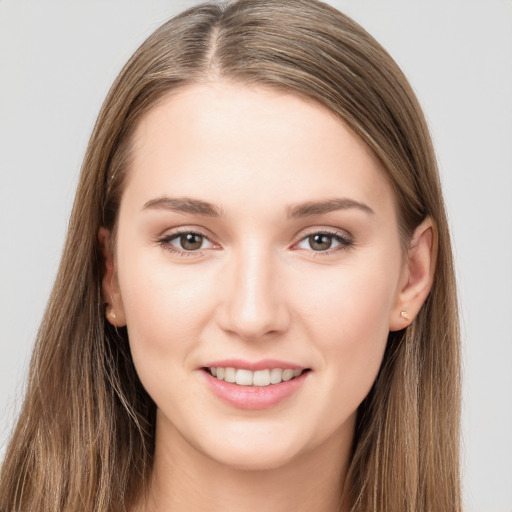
256,303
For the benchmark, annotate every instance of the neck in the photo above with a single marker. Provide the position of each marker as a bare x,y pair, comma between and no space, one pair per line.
185,479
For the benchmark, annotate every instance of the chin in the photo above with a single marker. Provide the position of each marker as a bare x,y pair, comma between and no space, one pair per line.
251,448
255,459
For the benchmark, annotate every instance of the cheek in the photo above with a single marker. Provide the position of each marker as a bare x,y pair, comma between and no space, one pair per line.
348,317
165,308
348,302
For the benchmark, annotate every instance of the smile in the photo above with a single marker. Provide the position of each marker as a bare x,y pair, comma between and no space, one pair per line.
260,378
254,385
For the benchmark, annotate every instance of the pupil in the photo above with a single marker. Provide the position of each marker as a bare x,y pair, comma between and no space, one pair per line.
320,242
191,242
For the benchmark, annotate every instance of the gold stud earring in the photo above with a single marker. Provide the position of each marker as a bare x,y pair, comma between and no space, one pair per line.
404,315
111,314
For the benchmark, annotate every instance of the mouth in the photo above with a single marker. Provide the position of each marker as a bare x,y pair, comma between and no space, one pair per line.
256,385
258,378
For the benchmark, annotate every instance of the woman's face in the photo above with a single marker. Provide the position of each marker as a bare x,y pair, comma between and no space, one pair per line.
256,234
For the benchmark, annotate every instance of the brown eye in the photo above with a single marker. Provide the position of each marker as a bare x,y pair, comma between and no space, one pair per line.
325,242
191,241
186,243
320,242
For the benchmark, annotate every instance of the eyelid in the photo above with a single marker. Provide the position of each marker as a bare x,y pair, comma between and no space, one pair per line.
346,241
165,239
324,230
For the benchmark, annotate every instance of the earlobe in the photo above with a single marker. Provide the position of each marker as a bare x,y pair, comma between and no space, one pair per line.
419,270
109,288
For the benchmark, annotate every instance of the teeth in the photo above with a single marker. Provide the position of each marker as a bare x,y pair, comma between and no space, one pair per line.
260,378
244,377
229,375
276,375
287,374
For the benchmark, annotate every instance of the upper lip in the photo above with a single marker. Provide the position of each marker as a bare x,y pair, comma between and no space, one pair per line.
262,364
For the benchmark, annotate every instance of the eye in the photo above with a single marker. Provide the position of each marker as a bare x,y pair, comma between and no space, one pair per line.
190,241
184,242
325,242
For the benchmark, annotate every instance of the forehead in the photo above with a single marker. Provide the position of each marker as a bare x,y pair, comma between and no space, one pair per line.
250,147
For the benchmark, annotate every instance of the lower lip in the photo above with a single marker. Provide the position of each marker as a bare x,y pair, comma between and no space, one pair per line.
254,397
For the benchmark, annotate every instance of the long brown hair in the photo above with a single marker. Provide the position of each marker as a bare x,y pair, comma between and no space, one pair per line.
85,436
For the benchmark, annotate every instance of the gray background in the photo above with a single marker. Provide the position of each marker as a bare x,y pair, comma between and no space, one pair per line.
57,61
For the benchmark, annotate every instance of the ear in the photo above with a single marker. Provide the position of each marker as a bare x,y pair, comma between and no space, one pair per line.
109,287
417,276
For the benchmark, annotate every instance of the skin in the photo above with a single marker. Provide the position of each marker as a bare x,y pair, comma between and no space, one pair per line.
257,288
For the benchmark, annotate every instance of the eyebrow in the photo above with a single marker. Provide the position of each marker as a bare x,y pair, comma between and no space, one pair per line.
306,209
310,208
185,205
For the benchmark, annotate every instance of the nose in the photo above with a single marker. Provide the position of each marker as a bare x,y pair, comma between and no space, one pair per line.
254,302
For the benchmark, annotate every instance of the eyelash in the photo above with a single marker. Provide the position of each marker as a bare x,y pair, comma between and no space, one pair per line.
345,242
166,240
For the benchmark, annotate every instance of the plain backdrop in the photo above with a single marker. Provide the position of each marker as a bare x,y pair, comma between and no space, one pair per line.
57,61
